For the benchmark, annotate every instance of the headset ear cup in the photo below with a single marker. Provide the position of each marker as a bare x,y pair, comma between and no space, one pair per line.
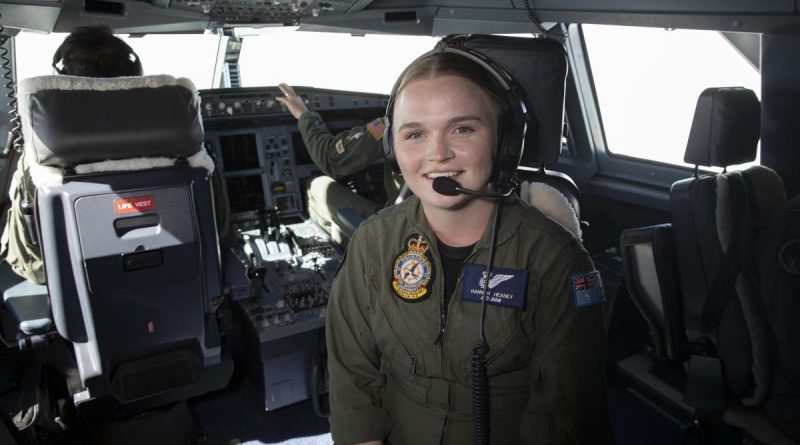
137,65
57,58
510,134
388,146
501,156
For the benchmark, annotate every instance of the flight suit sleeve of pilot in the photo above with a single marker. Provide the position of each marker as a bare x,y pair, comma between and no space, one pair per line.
568,397
345,153
356,384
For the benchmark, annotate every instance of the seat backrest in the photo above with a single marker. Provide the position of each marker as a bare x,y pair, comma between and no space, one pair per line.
539,68
648,257
713,216
127,231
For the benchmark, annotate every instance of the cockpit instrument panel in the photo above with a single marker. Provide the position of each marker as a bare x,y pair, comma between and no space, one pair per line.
257,146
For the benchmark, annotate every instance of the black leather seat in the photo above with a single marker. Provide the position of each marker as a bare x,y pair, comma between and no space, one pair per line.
721,329
715,218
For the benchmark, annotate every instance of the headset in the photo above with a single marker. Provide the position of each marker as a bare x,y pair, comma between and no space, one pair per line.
511,123
131,67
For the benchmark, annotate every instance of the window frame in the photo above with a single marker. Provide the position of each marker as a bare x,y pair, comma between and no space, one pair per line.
631,179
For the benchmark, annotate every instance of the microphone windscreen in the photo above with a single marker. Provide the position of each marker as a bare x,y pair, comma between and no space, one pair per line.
446,186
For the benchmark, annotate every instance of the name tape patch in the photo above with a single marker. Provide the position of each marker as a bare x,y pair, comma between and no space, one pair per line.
507,287
134,205
587,289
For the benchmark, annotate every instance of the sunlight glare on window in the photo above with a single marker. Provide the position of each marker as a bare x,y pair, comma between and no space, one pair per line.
648,80
369,63
185,55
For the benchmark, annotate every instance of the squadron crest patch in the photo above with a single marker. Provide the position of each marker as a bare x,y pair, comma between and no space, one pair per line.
413,271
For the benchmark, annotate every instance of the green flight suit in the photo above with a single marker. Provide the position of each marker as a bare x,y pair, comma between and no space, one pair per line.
341,155
19,244
397,375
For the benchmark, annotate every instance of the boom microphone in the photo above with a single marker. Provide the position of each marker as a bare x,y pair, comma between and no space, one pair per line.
449,187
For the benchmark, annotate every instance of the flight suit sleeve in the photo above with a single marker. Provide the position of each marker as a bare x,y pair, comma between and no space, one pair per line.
568,396
345,153
356,385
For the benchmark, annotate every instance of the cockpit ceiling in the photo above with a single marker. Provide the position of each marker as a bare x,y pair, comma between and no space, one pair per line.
416,17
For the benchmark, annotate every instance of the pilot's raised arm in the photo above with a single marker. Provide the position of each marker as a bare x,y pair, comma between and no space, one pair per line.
342,154
346,153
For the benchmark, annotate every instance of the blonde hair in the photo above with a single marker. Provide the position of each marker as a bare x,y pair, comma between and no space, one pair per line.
448,63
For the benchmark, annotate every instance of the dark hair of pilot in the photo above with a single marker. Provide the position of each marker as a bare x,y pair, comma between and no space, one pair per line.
447,63
94,51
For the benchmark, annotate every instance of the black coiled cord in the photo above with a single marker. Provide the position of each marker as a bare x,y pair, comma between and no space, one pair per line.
534,18
480,395
15,133
478,376
537,23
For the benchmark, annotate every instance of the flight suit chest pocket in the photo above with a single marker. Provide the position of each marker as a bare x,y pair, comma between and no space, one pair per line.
402,328
506,309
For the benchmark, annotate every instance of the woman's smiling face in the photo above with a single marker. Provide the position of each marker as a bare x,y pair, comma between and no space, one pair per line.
444,126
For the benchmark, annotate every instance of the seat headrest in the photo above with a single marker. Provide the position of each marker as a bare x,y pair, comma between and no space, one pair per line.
725,129
539,67
70,120
554,203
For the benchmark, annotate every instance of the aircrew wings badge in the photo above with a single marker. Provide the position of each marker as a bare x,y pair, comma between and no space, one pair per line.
413,270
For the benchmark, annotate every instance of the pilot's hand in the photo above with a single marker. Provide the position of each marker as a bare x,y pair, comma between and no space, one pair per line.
292,101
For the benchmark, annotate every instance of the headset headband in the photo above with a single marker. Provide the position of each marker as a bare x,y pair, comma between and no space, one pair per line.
133,58
511,123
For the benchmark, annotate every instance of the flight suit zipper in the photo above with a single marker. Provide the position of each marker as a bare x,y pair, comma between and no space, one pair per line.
443,436
442,307
445,308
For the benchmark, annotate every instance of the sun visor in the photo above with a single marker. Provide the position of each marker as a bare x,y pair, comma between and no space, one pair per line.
539,66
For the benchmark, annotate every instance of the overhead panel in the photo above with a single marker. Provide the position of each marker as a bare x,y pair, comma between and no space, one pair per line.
487,16
40,15
265,12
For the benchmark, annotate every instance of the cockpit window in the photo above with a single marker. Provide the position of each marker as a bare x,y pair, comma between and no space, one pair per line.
647,82
369,63
181,55
268,56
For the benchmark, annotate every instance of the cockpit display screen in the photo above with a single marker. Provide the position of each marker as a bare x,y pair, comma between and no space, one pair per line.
245,193
239,152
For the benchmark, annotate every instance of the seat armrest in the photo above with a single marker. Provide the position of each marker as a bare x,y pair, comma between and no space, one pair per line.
29,304
350,218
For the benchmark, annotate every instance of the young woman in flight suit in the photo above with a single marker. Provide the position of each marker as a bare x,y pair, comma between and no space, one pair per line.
405,312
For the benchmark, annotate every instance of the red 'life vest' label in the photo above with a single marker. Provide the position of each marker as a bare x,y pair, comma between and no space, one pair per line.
134,205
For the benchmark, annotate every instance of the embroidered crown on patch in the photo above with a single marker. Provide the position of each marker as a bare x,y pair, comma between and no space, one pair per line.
418,244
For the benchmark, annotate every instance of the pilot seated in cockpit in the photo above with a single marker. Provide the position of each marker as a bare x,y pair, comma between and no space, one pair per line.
89,51
339,155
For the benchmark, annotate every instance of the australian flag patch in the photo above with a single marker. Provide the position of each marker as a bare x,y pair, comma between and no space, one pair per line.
587,289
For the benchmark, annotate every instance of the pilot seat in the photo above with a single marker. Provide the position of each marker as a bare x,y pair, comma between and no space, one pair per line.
126,225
